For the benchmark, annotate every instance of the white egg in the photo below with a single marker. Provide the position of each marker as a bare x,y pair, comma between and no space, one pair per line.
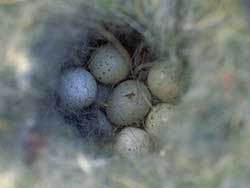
129,103
132,143
108,65
158,118
77,88
164,81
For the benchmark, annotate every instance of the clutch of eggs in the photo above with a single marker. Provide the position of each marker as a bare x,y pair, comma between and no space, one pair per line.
128,103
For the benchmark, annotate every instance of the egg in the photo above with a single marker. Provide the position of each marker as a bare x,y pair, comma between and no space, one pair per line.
164,81
132,143
95,127
108,65
103,94
77,88
158,118
129,103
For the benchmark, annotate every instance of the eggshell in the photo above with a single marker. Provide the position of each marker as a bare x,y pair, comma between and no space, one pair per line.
132,143
164,82
108,65
159,117
129,103
77,88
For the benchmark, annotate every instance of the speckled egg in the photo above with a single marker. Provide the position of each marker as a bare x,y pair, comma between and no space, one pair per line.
164,81
132,143
77,88
129,103
108,65
159,117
